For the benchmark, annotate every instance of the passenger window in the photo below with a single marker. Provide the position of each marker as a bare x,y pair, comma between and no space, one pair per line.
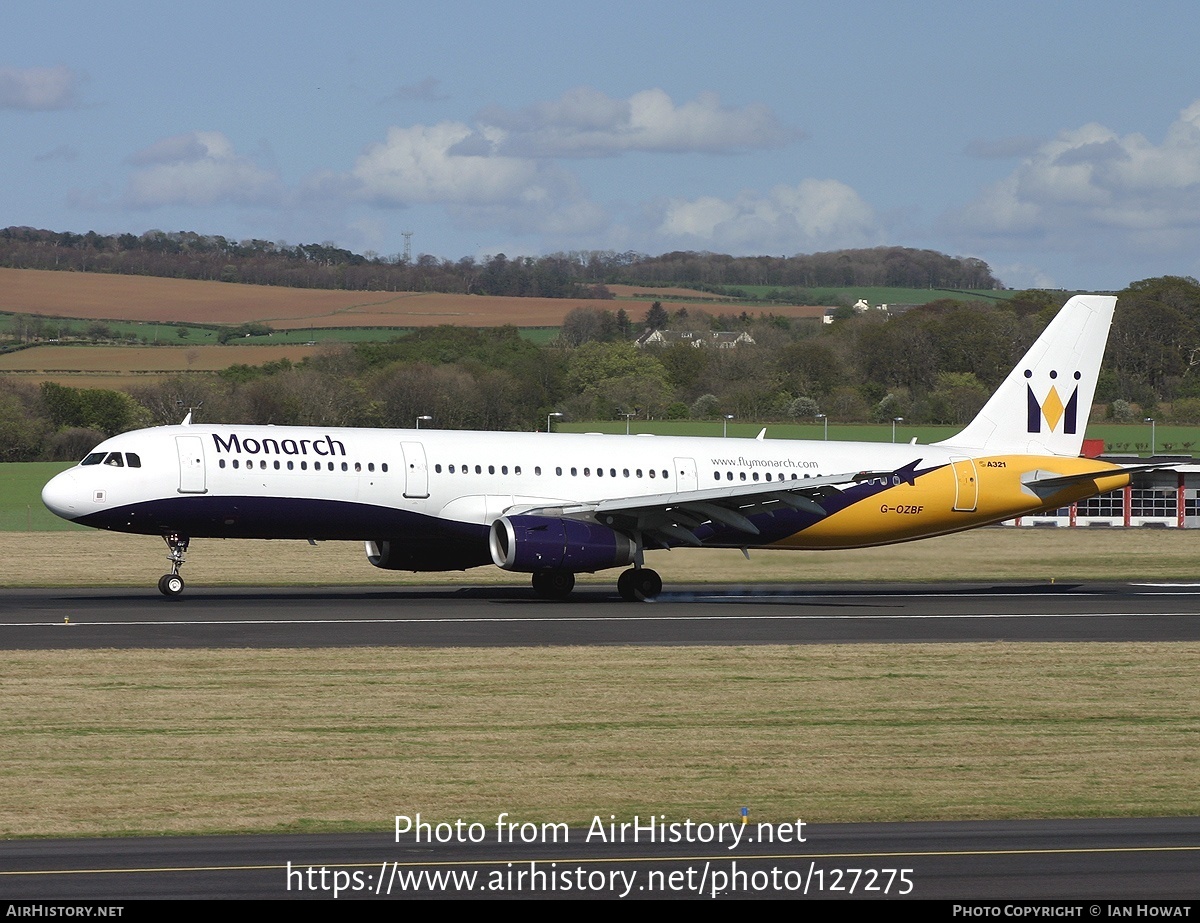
235,463
303,466
291,465
276,464
221,463
491,469
437,468
516,469
358,466
383,467
346,467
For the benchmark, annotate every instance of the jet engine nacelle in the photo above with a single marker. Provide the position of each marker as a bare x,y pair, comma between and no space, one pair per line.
541,543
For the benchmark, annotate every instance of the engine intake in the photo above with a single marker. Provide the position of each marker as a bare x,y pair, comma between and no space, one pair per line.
540,543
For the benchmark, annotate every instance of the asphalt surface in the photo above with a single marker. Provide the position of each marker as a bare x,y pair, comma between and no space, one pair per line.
353,617
1087,861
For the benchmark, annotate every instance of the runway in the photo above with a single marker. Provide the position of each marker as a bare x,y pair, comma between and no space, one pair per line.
60,619
1089,862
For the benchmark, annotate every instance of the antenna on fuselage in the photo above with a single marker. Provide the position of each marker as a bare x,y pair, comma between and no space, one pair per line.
187,420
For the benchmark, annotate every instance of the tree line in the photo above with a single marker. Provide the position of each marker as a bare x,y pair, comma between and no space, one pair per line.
576,275
936,364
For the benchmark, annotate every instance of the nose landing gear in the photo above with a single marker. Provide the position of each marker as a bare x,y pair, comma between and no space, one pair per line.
172,584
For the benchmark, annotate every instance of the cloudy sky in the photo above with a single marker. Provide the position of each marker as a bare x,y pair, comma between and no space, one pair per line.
1058,141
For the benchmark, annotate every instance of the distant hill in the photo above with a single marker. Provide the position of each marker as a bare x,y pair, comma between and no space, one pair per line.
576,275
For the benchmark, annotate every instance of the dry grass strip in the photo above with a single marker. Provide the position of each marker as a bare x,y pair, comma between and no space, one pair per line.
117,742
88,558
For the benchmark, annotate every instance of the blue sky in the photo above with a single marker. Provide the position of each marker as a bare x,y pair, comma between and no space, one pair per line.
1060,142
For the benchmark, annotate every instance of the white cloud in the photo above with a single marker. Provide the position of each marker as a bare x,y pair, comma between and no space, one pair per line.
587,123
459,167
37,88
447,163
814,214
197,168
1091,178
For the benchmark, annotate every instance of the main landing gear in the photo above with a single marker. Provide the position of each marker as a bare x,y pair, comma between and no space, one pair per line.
635,585
553,584
172,584
638,584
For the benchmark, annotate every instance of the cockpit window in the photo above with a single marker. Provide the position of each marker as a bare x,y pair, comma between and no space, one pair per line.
133,459
94,459
114,459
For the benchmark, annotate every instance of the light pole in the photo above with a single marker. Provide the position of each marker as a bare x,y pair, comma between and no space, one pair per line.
627,416
725,418
824,419
895,420
549,417
426,417
1150,420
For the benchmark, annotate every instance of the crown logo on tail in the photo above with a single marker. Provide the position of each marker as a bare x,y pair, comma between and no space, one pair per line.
1052,409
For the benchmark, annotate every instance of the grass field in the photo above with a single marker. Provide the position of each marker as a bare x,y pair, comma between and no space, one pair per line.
303,740
877,294
96,296
84,557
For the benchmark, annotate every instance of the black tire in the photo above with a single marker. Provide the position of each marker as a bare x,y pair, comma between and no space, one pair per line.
639,584
553,584
627,586
170,585
648,584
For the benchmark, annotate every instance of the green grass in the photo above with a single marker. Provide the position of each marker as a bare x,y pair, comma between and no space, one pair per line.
876,294
21,508
156,334
168,334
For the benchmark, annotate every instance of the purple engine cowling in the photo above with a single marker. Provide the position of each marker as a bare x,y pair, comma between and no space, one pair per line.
540,543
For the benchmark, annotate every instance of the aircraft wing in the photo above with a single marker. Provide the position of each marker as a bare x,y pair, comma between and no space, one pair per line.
670,518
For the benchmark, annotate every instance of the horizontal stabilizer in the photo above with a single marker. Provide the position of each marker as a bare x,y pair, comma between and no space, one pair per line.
1047,483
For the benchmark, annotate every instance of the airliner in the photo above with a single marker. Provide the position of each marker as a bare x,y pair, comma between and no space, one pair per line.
555,505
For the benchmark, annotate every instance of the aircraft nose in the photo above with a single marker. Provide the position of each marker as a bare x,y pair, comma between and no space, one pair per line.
61,495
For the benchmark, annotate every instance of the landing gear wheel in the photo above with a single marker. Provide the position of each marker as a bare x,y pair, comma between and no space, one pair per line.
170,584
639,584
553,584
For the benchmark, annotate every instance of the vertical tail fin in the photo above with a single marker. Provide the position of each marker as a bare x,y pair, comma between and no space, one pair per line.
1043,405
